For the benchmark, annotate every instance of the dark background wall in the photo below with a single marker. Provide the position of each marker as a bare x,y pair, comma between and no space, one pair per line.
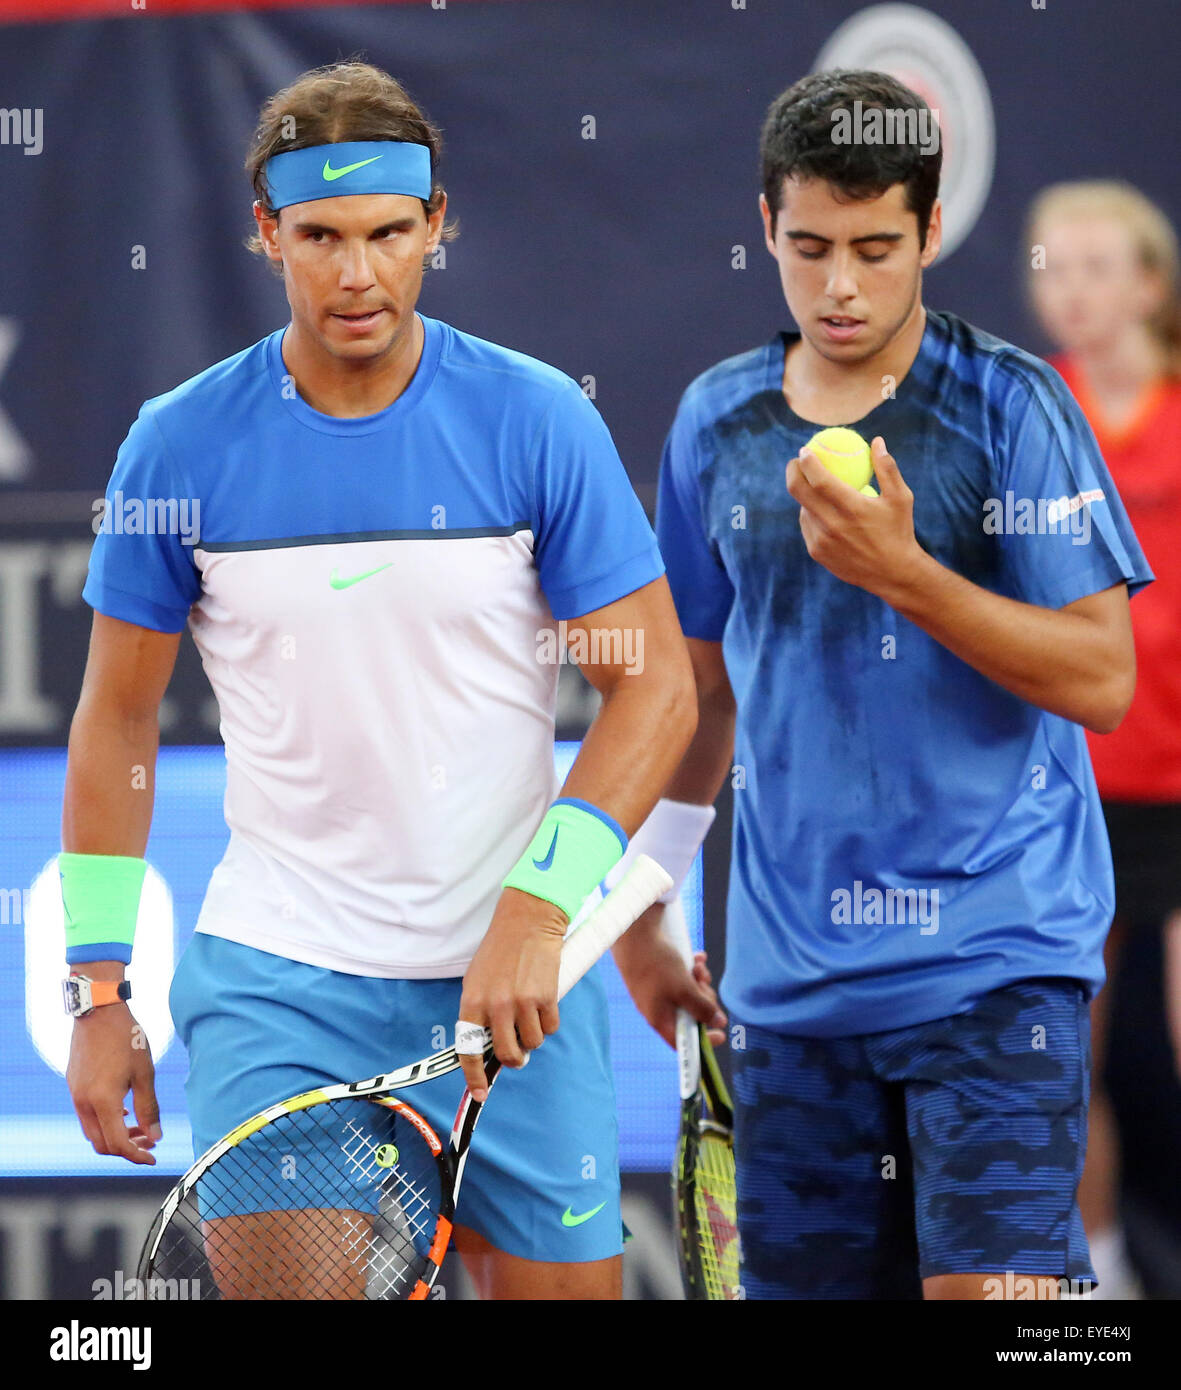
613,258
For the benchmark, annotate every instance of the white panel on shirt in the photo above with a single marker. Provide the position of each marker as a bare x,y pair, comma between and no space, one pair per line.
389,744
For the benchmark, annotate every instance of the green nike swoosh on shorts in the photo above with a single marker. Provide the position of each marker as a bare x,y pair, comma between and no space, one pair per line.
569,1219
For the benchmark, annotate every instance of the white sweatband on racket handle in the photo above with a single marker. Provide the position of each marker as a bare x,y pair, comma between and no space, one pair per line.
471,1039
671,835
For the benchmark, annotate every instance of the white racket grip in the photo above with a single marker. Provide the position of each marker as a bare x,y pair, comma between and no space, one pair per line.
688,1047
635,893
677,930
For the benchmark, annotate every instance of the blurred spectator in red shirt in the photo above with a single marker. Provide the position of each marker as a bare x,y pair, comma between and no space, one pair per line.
1104,286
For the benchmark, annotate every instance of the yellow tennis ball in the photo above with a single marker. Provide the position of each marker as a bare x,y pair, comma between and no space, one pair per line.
845,454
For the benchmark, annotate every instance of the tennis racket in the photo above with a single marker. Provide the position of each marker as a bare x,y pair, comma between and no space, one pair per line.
345,1192
706,1201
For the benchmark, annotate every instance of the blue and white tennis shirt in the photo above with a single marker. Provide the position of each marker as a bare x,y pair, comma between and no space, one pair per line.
375,603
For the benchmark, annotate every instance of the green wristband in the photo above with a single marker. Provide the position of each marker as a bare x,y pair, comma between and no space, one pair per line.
100,894
569,856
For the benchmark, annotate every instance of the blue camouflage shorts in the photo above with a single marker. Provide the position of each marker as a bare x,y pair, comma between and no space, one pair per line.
868,1163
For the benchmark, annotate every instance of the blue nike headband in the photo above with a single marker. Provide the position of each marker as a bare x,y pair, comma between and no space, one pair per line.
350,166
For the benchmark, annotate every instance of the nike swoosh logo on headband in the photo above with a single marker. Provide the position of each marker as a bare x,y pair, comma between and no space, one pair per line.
330,173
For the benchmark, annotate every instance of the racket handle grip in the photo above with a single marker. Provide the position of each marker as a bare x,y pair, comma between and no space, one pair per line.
631,897
677,930
688,1047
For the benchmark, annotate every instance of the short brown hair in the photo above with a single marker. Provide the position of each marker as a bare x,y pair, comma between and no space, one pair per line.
338,102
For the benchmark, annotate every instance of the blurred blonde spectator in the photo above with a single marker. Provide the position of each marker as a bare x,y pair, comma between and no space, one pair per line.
1104,286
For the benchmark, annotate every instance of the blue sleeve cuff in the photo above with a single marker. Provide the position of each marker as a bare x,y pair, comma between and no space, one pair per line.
624,579
102,950
133,608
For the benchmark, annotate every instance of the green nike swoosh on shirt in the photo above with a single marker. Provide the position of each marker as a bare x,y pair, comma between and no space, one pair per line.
330,173
569,1219
338,583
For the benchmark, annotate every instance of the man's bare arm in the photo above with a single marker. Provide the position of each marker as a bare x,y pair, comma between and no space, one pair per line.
107,809
709,757
697,780
1078,661
648,713
115,730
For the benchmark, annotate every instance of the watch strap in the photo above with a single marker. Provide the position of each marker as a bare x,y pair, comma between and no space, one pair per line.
82,995
109,991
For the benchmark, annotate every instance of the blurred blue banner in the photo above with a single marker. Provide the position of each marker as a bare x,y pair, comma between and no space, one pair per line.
39,1133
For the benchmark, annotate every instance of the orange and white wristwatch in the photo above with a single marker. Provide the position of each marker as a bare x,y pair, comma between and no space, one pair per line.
82,995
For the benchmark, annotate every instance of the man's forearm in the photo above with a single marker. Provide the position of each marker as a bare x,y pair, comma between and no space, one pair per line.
697,780
709,757
1056,659
107,807
631,750
110,784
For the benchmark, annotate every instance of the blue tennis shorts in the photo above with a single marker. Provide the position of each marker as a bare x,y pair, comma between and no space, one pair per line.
866,1164
542,1177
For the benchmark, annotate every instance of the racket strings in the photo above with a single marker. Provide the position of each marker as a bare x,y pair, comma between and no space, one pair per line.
707,1206
716,1200
336,1201
413,1202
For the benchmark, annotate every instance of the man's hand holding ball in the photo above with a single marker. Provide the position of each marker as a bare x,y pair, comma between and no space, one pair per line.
861,536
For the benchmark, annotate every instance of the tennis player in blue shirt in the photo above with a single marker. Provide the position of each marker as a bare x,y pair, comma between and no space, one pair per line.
897,687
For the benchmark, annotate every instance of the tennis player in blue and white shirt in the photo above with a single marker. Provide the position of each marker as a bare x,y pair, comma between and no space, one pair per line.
394,517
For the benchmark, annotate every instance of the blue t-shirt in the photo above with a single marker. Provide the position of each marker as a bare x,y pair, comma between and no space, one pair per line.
377,603
907,834
482,440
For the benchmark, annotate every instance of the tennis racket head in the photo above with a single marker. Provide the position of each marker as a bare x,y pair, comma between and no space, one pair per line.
704,1185
324,1197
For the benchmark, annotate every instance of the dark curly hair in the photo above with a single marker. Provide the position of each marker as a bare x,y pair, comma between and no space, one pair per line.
798,140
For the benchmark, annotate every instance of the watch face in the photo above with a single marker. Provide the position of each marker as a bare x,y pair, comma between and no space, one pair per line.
72,996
